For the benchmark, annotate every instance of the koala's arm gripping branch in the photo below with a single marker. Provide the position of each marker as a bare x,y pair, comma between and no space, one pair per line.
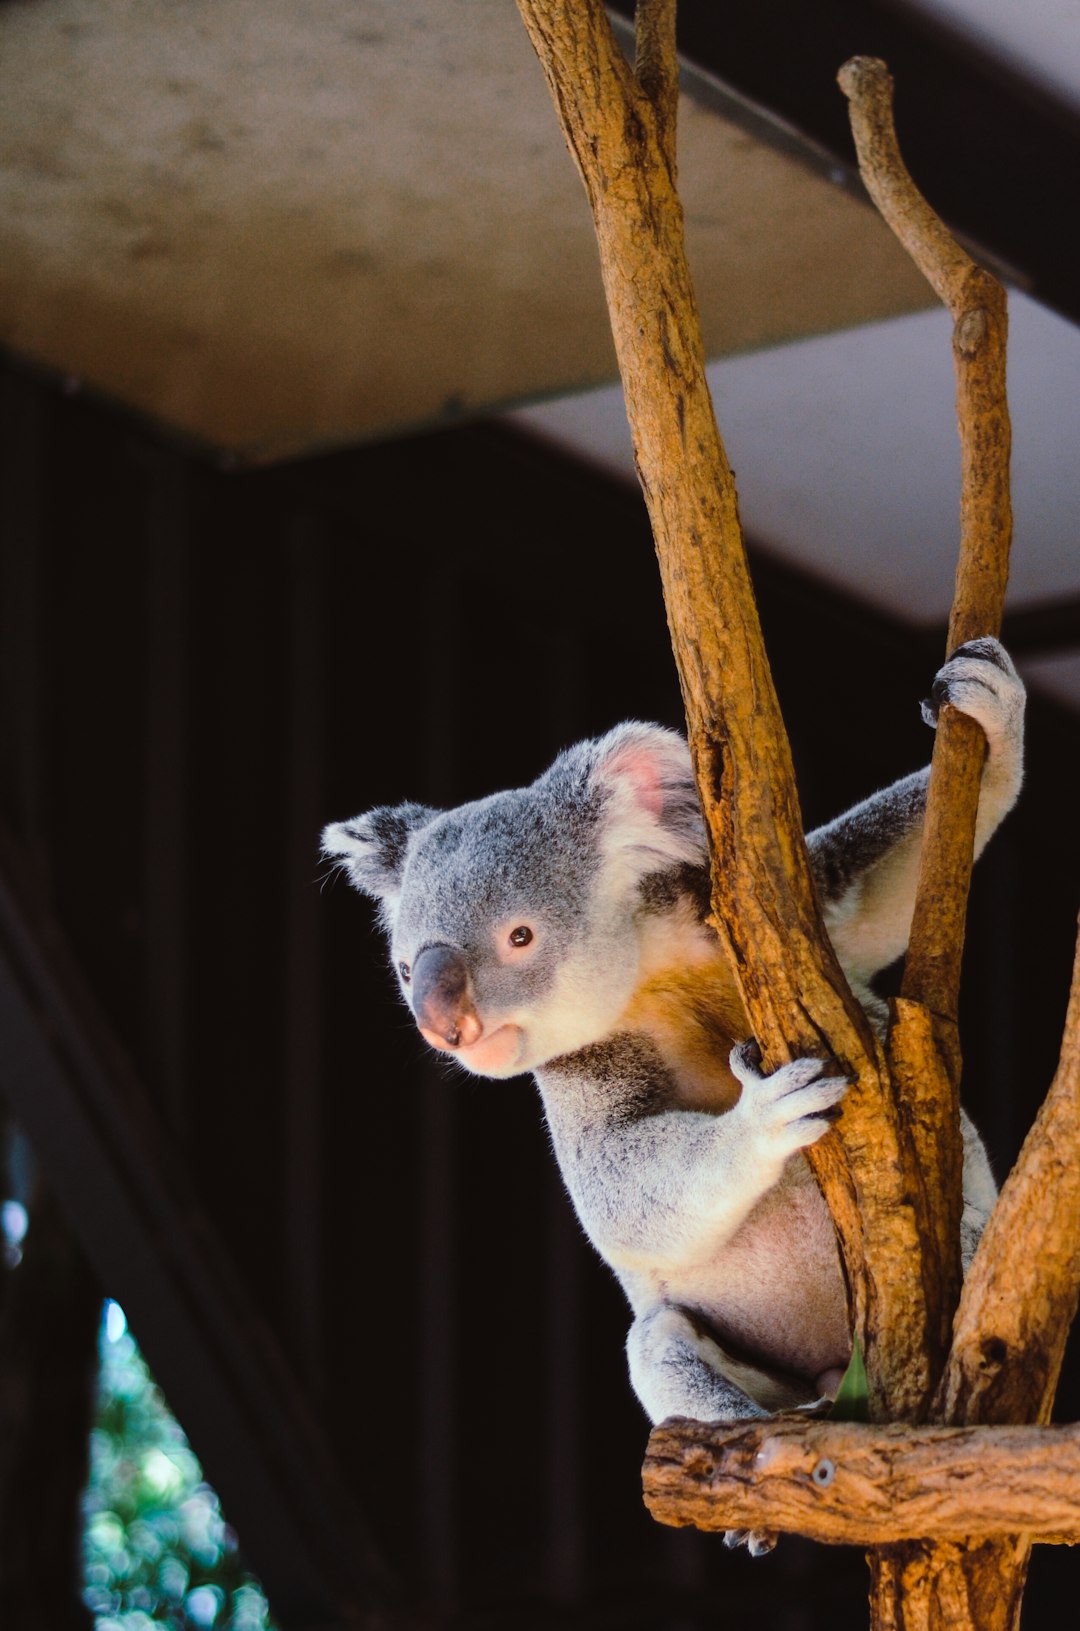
619,123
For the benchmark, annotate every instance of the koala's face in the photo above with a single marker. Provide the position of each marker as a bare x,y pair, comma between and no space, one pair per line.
514,921
539,949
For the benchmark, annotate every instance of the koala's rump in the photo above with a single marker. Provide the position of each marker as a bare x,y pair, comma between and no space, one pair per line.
775,1290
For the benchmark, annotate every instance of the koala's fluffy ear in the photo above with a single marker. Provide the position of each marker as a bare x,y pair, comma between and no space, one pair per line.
371,848
653,812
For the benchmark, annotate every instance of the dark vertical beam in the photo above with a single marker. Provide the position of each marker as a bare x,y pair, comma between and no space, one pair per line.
303,1073
438,1300
439,1242
50,1302
22,700
564,1429
50,1311
167,539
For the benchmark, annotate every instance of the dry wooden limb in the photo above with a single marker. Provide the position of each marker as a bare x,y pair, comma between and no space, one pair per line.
957,1586
620,129
1023,1287
918,1584
923,1054
923,1051
845,1483
976,303
624,150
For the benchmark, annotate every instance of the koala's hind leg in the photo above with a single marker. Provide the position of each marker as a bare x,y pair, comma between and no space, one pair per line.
673,1367
675,1370
980,1190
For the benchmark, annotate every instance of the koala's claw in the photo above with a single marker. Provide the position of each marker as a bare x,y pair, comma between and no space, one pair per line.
979,679
758,1542
749,1057
793,1105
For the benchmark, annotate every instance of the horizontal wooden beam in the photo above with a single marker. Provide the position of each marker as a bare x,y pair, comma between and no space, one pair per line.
849,1484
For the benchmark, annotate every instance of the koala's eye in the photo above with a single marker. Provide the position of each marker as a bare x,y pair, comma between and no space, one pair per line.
521,935
405,971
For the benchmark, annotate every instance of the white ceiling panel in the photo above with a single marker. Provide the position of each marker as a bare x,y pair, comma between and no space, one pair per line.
1039,39
846,455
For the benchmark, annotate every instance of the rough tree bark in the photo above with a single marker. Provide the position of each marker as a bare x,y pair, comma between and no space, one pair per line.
984,1581
844,1483
620,128
891,1174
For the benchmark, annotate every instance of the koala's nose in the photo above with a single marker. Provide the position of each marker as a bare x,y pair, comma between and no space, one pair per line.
442,1001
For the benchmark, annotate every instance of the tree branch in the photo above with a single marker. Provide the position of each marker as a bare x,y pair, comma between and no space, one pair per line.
976,302
656,66
765,908
845,1483
1022,1289
923,1047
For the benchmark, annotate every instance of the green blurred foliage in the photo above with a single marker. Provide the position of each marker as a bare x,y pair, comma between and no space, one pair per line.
157,1550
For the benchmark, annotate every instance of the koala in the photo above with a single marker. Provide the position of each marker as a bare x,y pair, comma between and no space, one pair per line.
561,929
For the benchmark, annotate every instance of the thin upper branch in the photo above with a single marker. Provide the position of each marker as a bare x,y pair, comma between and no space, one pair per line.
656,65
923,1053
868,85
976,303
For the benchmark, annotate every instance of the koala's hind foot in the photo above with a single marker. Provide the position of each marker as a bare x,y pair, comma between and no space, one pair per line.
673,1369
758,1542
676,1370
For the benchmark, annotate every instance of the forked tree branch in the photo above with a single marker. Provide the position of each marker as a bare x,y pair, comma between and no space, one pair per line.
1021,1292
764,904
884,1176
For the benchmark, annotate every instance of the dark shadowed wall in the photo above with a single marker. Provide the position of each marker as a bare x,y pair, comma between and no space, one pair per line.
200,668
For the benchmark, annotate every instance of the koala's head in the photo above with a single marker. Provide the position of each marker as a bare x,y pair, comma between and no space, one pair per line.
514,922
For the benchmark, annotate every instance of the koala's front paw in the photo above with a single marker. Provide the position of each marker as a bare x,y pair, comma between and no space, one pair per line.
979,679
793,1106
758,1542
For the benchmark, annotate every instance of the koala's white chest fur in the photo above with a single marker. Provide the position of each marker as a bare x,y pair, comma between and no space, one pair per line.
759,1271
774,1290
